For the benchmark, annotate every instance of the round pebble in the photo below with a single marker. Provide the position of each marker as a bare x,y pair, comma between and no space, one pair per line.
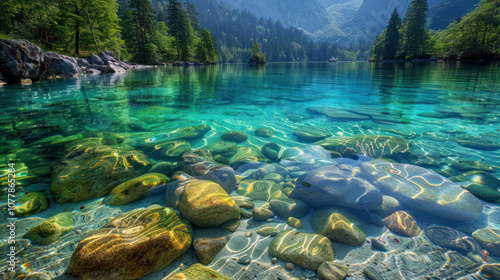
269,220
248,234
274,260
289,266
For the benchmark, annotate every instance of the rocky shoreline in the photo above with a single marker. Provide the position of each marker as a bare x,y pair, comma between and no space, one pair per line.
24,62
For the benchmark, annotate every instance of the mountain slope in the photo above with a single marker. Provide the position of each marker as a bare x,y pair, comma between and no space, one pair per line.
309,15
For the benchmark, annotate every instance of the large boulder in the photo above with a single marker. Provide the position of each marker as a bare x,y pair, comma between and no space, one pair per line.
206,204
245,155
19,60
423,190
329,186
303,249
94,59
89,169
258,189
132,245
60,65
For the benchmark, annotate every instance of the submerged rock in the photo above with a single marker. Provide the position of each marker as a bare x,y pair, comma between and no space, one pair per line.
157,114
403,223
134,189
51,229
206,204
268,231
235,136
338,225
90,169
337,114
186,133
423,190
264,132
258,189
478,143
309,134
288,207
329,186
371,145
169,151
132,245
332,271
489,238
471,165
245,155
272,151
30,203
452,239
481,184
263,212
310,154
223,148
303,249
206,249
198,272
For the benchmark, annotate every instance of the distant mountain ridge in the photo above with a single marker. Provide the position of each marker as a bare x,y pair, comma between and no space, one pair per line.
348,21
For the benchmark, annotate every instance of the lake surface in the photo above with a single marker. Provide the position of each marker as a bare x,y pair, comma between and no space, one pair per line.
434,128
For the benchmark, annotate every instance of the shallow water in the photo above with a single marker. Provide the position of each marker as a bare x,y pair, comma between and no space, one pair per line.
446,114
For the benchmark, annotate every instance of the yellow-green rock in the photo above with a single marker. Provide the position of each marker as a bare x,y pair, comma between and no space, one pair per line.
90,169
293,222
338,225
51,229
268,231
263,212
206,204
31,203
206,249
303,249
288,207
198,272
132,245
135,189
258,189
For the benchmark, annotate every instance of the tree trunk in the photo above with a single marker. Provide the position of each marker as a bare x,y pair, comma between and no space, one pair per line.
484,38
91,23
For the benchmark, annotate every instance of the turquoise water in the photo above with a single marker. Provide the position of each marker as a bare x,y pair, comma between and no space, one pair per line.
437,126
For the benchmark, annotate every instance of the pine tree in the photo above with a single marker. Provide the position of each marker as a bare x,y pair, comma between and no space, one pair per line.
143,14
208,45
174,11
191,9
414,32
391,42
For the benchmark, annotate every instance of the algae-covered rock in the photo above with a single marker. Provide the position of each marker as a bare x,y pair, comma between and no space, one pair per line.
235,136
332,271
403,223
51,229
471,165
132,245
338,225
258,189
293,222
272,151
186,133
31,203
90,169
245,155
135,189
309,134
268,231
163,167
288,207
158,114
198,272
169,151
206,249
371,145
263,212
264,132
303,249
206,204
223,148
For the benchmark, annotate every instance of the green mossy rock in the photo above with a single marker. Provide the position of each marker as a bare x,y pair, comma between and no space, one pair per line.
293,222
272,151
198,272
31,203
206,249
332,271
245,155
303,249
206,204
471,165
90,169
263,212
264,132
268,231
289,207
169,151
134,189
164,168
51,229
309,134
235,136
371,145
132,245
224,148
338,225
258,189
158,114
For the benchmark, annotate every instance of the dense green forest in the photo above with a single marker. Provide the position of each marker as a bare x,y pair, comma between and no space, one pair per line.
152,31
476,35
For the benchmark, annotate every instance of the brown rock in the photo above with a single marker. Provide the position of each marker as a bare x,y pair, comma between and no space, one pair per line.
206,249
403,223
